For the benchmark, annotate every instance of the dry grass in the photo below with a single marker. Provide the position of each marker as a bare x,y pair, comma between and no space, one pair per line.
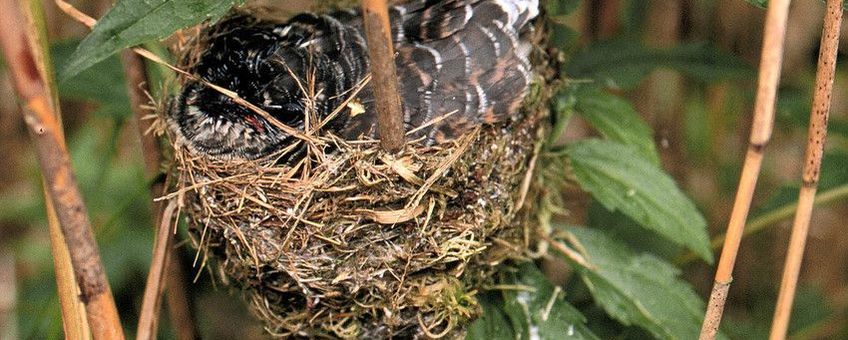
349,241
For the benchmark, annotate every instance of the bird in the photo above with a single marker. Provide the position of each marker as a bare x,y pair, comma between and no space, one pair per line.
460,63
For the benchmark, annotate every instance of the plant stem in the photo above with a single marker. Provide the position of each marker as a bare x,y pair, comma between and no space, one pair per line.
163,266
761,129
181,317
812,166
763,221
378,34
74,321
23,55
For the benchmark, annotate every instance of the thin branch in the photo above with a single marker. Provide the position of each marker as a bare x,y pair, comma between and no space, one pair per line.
74,322
152,301
178,306
181,316
163,265
768,219
761,129
90,22
378,34
812,165
45,131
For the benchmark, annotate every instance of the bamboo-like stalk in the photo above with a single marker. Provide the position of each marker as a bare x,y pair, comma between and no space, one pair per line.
602,19
812,165
378,34
23,55
770,63
74,322
164,268
152,301
769,219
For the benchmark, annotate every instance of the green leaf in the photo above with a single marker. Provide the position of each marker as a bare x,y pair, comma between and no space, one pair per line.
758,3
622,63
541,313
620,179
561,7
493,324
617,225
102,84
636,288
562,107
616,119
132,22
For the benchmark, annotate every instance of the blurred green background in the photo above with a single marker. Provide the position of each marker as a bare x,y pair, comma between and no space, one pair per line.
657,54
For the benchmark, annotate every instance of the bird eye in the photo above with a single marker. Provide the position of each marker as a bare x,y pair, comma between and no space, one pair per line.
290,113
294,108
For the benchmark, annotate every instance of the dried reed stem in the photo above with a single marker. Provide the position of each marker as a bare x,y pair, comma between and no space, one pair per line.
74,322
32,87
761,129
138,89
181,318
152,301
812,164
766,220
378,33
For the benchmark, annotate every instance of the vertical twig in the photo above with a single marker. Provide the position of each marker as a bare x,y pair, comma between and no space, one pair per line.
164,268
761,129
74,322
812,165
148,320
378,33
43,124
604,19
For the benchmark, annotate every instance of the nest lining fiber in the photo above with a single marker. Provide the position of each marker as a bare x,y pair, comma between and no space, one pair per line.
352,242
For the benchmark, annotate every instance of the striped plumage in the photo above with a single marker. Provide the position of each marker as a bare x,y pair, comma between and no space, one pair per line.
465,58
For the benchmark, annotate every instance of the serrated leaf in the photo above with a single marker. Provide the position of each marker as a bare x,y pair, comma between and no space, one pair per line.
102,84
620,179
493,324
623,63
617,225
541,313
617,120
758,3
636,288
132,22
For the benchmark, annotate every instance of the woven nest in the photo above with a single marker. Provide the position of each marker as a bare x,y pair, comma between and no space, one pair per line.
354,242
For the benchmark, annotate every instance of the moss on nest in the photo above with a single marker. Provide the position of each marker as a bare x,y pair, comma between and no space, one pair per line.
353,242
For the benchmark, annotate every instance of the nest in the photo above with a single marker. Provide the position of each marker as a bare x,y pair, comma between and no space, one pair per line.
353,242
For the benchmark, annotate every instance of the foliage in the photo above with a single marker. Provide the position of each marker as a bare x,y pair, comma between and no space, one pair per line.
623,63
533,309
614,118
621,180
132,22
103,84
636,288
638,220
